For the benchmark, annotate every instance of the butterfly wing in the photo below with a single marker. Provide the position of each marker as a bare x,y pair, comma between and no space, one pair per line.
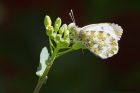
101,39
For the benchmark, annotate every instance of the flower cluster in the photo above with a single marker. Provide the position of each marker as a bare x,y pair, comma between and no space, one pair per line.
58,33
64,36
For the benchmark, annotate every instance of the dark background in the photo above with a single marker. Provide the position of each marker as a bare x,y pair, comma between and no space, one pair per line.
22,36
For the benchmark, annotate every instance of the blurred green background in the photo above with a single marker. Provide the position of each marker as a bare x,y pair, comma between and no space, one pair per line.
22,36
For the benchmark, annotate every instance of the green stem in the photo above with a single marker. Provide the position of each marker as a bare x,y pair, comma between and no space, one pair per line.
51,45
42,79
64,52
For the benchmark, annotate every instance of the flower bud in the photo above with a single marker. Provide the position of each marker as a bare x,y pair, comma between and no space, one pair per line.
61,40
57,24
62,28
58,37
53,36
50,30
47,21
66,33
65,42
71,27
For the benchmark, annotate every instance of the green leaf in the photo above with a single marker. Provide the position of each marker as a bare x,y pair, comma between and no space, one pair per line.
44,55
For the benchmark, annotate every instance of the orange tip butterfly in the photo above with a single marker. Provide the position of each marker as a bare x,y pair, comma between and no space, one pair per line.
101,39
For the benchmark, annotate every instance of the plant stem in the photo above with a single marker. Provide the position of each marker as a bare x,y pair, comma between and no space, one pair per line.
49,63
51,45
64,52
38,86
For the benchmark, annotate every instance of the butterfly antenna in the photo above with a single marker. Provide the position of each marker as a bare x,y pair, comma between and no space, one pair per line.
72,16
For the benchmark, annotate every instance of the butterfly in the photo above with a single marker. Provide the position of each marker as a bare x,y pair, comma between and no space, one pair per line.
101,39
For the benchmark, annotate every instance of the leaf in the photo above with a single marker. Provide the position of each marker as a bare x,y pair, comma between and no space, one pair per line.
44,55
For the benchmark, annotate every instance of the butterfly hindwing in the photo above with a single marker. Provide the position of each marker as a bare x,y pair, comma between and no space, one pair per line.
101,39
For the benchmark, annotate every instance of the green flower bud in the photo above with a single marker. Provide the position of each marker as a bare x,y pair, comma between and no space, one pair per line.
58,37
65,27
67,41
56,27
71,27
53,36
47,21
57,24
64,42
62,28
66,33
61,40
50,30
